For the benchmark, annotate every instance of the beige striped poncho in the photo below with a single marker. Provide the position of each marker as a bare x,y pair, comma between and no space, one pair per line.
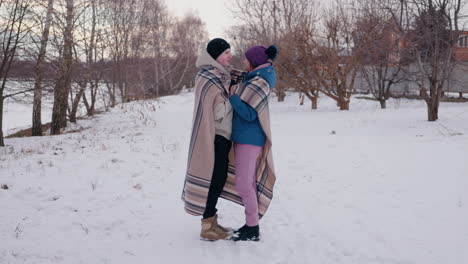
201,150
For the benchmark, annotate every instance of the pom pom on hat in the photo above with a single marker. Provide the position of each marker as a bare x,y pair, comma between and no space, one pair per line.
258,55
272,52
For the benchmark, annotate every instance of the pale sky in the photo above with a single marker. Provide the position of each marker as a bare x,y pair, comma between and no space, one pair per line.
214,13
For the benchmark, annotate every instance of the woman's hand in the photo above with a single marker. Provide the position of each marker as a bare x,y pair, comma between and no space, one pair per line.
232,88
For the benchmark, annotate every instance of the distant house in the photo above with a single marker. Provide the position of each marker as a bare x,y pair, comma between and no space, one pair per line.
458,80
461,48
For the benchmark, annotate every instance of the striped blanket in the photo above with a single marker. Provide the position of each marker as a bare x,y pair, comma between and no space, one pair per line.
209,84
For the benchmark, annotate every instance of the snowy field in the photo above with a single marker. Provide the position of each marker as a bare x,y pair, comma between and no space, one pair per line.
361,186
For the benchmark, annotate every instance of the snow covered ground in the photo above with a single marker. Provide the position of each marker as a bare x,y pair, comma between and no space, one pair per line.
361,186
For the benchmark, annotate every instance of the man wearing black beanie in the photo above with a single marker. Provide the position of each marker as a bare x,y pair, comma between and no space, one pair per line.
208,156
217,46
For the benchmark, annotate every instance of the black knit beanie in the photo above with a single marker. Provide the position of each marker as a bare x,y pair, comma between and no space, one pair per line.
217,46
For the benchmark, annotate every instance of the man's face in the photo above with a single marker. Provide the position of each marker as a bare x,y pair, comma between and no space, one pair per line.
225,58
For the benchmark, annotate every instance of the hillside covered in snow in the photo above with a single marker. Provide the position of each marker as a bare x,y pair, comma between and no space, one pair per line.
359,186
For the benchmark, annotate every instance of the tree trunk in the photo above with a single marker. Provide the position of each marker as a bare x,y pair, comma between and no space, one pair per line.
281,94
314,101
301,97
383,103
85,102
63,86
36,119
123,94
89,107
37,109
344,105
113,96
94,90
76,102
155,70
461,95
111,91
433,112
2,143
91,53
57,117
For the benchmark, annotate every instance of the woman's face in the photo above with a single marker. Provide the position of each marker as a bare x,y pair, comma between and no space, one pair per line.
225,58
246,64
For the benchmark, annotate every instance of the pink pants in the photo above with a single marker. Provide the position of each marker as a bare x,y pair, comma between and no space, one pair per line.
246,182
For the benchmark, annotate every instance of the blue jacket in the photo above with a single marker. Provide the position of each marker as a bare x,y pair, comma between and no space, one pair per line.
246,128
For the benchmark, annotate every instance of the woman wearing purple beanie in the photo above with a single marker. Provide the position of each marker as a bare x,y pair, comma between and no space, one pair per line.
251,134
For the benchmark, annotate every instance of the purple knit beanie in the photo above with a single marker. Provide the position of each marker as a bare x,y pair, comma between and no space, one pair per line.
258,55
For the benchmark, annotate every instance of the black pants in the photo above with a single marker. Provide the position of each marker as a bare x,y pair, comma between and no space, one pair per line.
220,169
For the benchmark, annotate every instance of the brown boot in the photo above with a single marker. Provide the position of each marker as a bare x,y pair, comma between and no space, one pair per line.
211,231
225,229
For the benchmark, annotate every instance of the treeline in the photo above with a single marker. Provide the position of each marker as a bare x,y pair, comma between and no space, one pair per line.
24,71
336,48
131,49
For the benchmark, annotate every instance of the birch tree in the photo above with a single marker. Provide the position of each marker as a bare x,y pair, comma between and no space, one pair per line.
63,84
39,71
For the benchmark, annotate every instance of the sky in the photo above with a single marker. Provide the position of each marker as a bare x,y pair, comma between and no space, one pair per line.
214,13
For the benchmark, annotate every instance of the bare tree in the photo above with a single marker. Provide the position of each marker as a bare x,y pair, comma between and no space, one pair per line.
122,20
337,61
265,22
85,46
13,30
75,98
378,39
298,61
95,50
188,37
63,85
164,50
431,28
37,103
157,28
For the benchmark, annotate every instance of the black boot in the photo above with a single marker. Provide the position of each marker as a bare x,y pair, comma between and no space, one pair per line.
247,233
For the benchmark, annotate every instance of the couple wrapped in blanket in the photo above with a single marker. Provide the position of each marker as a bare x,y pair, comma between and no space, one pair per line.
230,151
